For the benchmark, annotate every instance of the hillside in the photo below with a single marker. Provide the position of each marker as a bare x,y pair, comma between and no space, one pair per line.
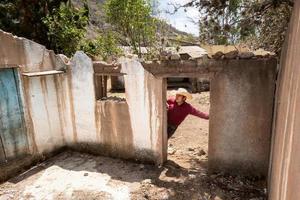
97,25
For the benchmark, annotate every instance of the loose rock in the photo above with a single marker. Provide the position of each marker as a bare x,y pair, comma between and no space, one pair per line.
217,198
231,54
142,166
175,56
246,55
171,151
201,153
191,149
218,55
147,181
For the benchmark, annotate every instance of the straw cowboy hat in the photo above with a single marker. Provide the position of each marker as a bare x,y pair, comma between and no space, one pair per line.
184,92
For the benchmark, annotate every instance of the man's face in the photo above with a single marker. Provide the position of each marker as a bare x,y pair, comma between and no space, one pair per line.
180,99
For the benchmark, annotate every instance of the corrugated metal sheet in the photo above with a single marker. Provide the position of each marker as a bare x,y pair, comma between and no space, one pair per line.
12,131
284,183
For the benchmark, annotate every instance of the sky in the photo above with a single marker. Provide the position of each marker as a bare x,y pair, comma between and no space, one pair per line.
181,20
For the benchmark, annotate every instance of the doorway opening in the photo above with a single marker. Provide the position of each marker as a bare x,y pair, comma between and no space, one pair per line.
189,143
187,150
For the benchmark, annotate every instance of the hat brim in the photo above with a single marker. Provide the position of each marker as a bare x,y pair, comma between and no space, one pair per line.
186,94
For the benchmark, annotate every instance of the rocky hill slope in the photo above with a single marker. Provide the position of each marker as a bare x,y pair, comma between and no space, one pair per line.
97,25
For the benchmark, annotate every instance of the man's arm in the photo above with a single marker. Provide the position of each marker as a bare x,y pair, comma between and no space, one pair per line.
170,100
198,113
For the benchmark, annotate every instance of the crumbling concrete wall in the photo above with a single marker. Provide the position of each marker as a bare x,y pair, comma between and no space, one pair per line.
44,99
44,113
241,117
41,95
114,127
130,129
62,109
284,179
83,102
24,53
145,95
242,95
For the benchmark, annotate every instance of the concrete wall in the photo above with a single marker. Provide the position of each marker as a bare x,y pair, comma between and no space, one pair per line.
284,179
145,95
131,129
62,110
115,131
42,97
241,117
24,53
81,75
47,112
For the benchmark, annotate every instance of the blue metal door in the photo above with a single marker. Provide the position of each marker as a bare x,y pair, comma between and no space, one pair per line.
13,140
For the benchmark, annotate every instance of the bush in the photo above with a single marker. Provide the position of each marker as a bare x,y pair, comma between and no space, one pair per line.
132,19
67,27
104,46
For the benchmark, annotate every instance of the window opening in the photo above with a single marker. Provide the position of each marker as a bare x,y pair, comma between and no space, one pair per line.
110,87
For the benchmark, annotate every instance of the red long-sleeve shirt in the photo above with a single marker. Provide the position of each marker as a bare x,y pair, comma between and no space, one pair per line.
177,113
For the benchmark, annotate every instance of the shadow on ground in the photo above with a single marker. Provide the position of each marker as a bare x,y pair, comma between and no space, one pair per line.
72,175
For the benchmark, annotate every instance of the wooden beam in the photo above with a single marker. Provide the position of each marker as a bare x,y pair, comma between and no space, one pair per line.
42,73
109,74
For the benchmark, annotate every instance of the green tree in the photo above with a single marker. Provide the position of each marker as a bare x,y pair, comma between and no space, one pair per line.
132,18
258,23
104,46
24,18
221,26
66,28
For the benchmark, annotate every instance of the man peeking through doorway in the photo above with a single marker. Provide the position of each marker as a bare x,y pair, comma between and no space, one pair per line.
179,109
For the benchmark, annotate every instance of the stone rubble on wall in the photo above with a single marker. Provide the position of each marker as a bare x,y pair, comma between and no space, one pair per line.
175,56
218,55
246,55
193,53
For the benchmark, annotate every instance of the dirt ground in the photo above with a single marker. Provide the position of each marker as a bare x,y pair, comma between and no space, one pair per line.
72,175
